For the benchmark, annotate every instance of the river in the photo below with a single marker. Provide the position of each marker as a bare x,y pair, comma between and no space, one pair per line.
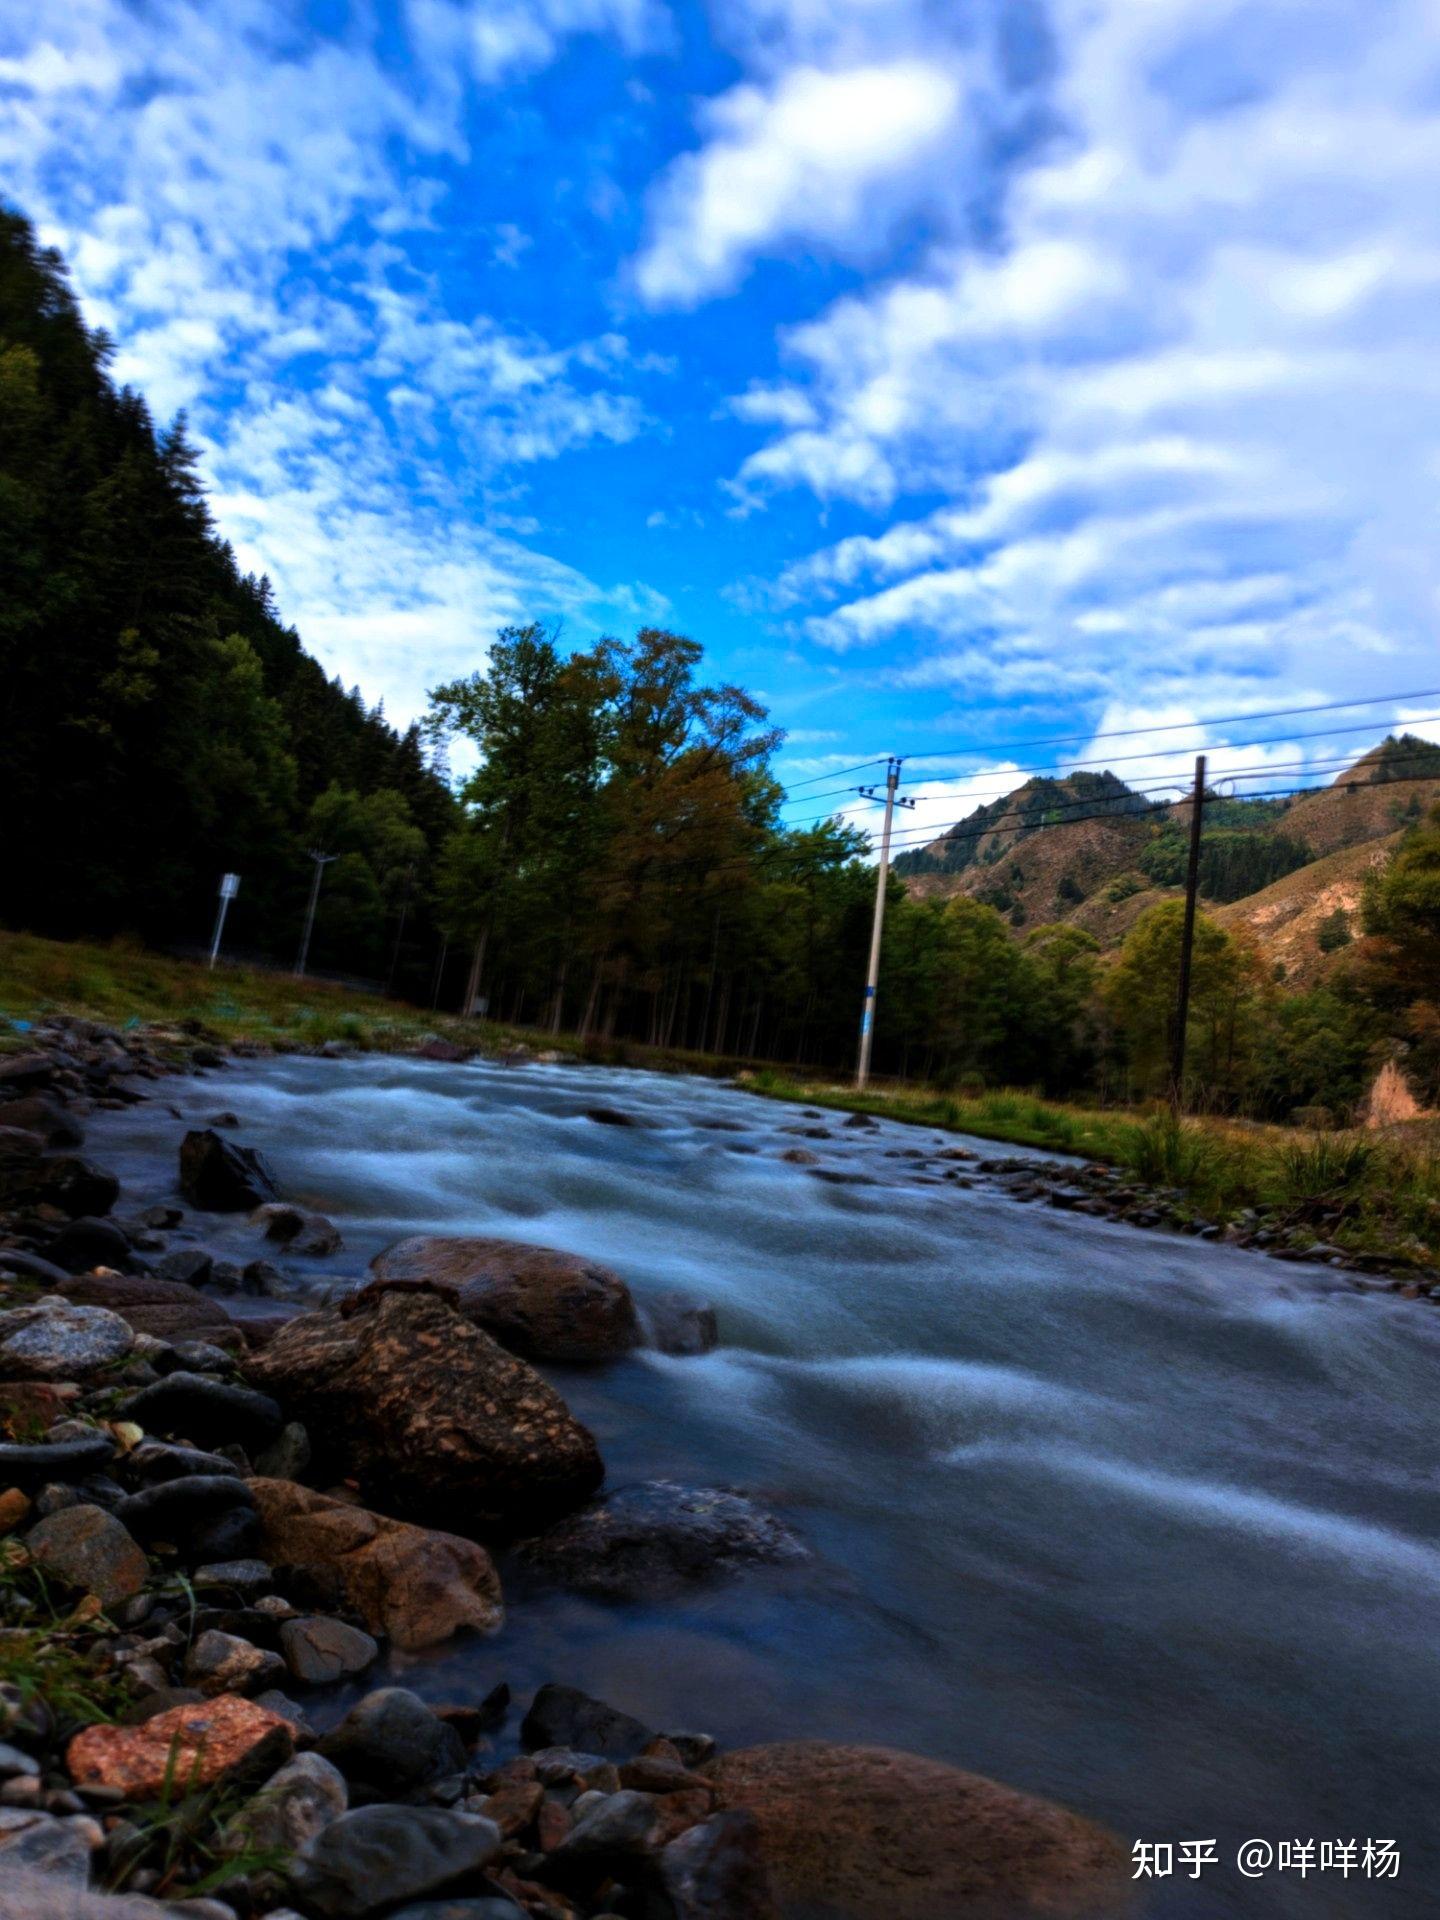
1146,1525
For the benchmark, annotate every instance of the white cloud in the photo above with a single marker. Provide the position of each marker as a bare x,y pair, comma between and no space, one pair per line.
240,225
806,160
1181,402
500,39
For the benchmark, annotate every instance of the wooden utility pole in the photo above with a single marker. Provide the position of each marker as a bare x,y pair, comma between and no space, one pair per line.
872,978
1187,940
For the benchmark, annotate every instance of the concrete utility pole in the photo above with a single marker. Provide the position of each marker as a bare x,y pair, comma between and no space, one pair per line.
872,979
1187,939
229,887
322,860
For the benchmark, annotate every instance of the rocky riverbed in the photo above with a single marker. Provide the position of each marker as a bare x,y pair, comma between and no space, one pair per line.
223,1534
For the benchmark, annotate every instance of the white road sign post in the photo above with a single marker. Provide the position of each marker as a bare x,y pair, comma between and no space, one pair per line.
229,887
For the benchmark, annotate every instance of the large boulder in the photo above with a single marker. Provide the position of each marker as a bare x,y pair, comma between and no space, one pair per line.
656,1537
168,1309
869,1833
430,1414
58,1340
415,1586
537,1301
219,1177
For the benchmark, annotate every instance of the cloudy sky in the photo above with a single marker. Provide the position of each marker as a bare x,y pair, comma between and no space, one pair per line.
961,376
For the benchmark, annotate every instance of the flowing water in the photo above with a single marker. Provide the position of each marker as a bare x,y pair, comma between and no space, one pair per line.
1146,1525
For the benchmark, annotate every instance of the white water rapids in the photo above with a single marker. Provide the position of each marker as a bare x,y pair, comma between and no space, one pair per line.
1146,1525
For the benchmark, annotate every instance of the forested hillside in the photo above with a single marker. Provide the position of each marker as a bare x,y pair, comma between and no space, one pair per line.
162,724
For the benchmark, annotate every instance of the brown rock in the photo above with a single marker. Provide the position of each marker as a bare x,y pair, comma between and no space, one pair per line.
429,1413
537,1301
869,1833
14,1509
552,1824
415,1586
168,1309
206,1740
29,1406
513,1807
89,1548
677,1812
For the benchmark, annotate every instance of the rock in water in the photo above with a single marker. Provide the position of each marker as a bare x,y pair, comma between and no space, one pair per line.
57,1340
566,1717
676,1324
869,1833
220,1177
375,1856
537,1301
429,1413
297,1230
416,1586
656,1537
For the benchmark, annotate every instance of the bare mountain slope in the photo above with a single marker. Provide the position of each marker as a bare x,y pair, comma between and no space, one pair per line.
1090,851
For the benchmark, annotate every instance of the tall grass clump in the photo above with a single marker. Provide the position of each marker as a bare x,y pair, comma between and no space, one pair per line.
1166,1151
1327,1171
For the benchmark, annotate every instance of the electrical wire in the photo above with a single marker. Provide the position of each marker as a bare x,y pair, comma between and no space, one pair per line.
1117,810
1180,726
1059,767
834,773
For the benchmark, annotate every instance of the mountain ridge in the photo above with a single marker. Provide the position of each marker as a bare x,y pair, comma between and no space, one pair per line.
1089,850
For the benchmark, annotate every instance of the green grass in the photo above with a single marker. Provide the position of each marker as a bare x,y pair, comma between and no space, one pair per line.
122,984
1367,1195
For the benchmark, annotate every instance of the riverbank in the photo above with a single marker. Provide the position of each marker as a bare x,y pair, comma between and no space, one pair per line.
217,1530
1370,1203
1365,1202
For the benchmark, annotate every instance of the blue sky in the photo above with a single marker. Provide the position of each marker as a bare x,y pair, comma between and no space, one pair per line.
958,376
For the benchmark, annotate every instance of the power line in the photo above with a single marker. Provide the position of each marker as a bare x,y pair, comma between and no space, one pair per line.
1261,771
1117,810
1123,759
1178,726
834,773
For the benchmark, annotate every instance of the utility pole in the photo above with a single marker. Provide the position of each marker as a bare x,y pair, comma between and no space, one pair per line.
322,860
872,979
229,887
1187,939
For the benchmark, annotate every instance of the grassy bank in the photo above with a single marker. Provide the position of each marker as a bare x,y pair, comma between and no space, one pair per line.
120,983
1366,1194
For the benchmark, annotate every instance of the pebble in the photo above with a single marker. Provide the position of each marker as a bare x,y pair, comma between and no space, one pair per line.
319,1650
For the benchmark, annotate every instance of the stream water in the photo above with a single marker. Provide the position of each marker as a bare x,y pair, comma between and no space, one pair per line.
1146,1525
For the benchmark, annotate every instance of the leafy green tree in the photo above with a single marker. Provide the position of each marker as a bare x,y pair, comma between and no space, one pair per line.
1139,995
